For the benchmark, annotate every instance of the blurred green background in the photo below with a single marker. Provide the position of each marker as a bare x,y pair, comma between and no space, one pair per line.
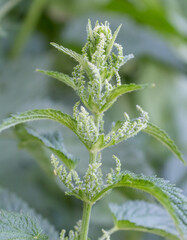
155,31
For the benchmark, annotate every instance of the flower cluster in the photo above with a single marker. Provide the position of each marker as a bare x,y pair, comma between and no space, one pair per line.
99,64
86,126
87,188
73,234
127,129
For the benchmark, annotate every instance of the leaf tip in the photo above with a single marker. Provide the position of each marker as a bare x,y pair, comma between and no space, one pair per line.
38,70
54,44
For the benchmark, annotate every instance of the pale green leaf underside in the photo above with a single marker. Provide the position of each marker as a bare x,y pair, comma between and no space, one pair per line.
11,203
54,142
117,92
34,147
59,76
144,216
168,195
38,114
163,137
19,226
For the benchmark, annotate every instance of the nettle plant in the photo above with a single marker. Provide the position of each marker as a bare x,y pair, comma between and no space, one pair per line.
97,82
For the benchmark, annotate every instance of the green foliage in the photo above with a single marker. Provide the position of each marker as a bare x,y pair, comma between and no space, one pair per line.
118,91
59,76
51,141
168,195
39,114
143,216
163,137
19,226
97,82
10,203
5,7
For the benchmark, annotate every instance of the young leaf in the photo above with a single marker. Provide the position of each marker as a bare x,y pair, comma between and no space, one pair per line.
69,52
78,57
11,203
59,76
168,195
163,137
53,142
117,92
19,226
38,114
110,45
144,216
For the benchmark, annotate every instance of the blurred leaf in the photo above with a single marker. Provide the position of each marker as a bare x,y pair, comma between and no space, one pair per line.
76,6
52,141
143,216
163,137
34,147
11,203
149,13
28,25
19,77
6,6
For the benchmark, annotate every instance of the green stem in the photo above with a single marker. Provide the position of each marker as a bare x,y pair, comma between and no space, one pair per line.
28,26
97,120
93,157
85,220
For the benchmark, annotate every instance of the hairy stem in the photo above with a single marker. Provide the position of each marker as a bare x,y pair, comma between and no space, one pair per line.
108,233
93,157
85,220
97,120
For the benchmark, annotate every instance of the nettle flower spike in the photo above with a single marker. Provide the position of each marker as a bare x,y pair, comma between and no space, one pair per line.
123,130
98,64
97,82
86,126
103,64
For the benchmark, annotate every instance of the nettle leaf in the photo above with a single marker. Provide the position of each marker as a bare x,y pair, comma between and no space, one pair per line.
19,226
9,202
110,45
34,147
78,57
54,142
38,114
59,76
117,92
163,137
168,195
143,216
